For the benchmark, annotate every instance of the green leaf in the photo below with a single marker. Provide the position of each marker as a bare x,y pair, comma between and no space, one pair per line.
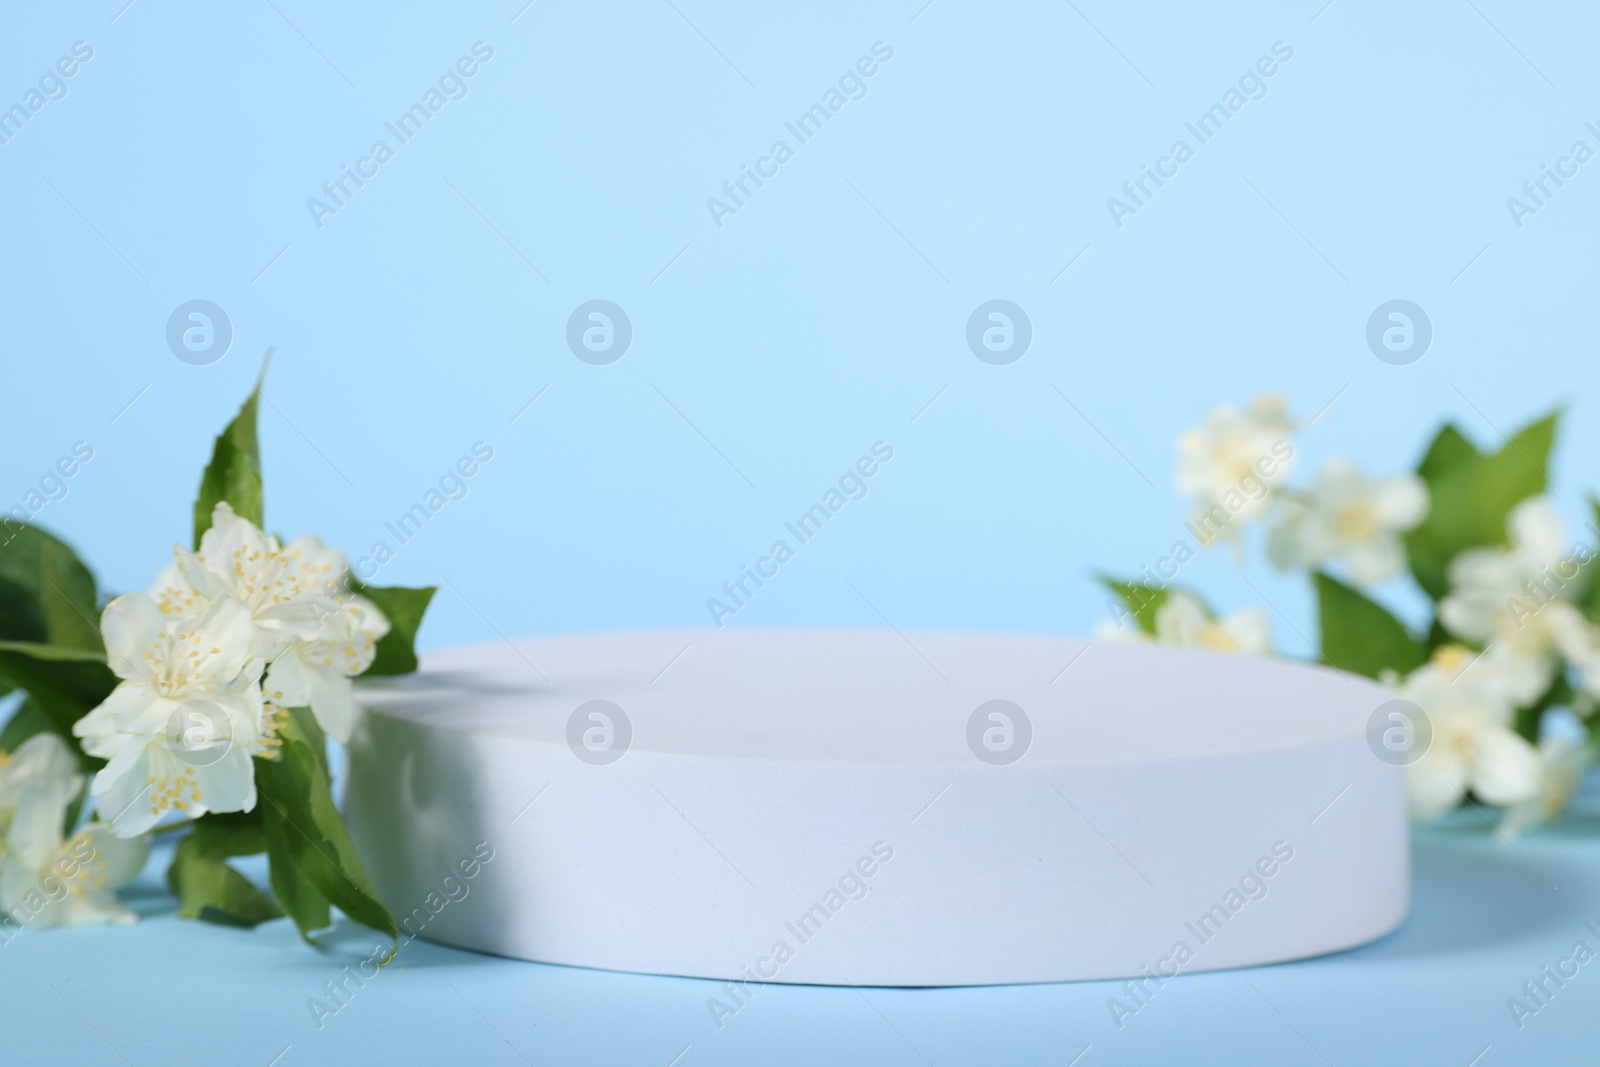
55,653
1142,600
315,738
1519,470
1360,636
21,615
47,595
209,889
1589,597
65,682
1145,600
1446,469
304,904
396,652
300,898
1471,494
1449,449
312,860
234,473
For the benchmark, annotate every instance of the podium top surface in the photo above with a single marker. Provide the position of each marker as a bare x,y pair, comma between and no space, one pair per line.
882,696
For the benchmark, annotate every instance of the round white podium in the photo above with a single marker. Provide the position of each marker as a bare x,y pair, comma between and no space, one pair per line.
868,808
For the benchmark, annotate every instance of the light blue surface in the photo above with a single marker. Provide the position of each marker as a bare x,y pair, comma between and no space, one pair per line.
767,355
1485,919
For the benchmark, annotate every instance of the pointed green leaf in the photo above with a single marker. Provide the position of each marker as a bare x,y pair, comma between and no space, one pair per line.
47,595
308,845
209,889
1471,494
1519,470
298,897
396,653
1450,448
234,473
1359,635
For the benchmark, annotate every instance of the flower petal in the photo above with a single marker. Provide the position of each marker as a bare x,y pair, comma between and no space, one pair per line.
1401,502
1251,631
131,625
333,702
1435,784
122,789
193,570
173,594
131,709
124,857
287,683
297,681
218,643
45,785
1180,620
1376,559
229,784
1537,532
1507,768
41,757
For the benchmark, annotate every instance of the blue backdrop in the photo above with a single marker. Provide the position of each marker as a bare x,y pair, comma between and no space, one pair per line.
773,345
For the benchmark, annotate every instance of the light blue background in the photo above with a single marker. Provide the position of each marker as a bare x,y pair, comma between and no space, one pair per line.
824,316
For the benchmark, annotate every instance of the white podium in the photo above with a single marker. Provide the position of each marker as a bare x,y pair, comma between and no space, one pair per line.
868,808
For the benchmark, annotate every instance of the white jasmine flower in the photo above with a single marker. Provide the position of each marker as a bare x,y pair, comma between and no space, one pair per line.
174,595
1515,599
180,728
316,673
1352,519
1182,620
1521,675
1473,746
1230,464
44,880
314,634
288,589
1562,763
1579,642
1514,594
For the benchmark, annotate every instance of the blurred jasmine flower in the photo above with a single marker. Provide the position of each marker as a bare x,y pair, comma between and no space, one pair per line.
1516,599
1183,620
1352,519
1521,675
44,880
1515,594
1473,746
1229,465
1579,642
1562,763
